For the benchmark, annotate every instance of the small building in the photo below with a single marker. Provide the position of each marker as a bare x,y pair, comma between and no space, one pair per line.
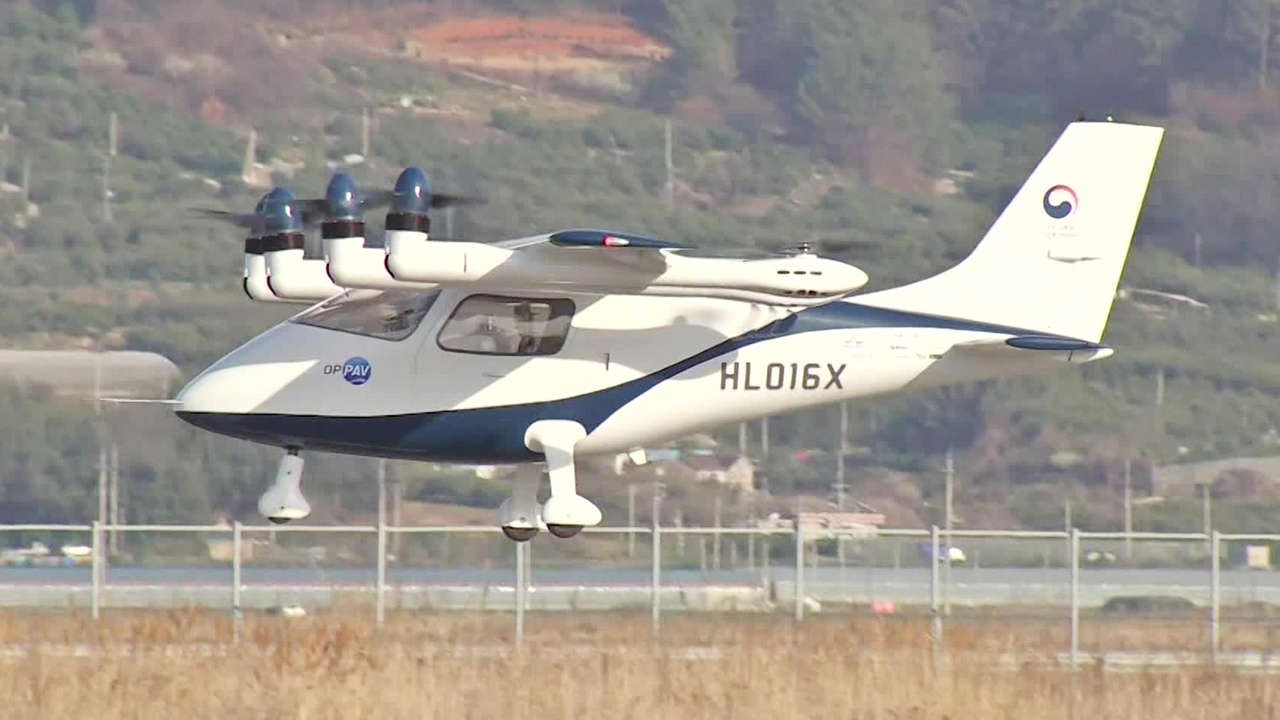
829,524
734,471
1183,478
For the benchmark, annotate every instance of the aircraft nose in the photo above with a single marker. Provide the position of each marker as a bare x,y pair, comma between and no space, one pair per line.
234,387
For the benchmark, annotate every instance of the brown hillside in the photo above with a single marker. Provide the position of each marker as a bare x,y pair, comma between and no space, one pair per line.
227,62
542,45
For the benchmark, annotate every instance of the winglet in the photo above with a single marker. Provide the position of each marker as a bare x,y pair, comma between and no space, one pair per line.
605,238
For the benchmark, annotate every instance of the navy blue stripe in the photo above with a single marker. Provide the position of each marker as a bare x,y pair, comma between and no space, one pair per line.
496,434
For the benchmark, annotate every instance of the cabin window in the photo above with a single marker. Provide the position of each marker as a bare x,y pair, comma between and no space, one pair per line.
497,325
383,314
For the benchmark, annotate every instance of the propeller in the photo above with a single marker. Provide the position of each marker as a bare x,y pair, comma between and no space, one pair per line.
411,194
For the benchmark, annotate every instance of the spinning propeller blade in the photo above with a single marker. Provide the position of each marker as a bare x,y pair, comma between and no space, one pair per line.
248,221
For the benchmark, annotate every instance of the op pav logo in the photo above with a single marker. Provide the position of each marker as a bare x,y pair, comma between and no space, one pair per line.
356,371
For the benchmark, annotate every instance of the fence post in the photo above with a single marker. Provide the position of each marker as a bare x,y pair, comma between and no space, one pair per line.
799,584
96,583
237,613
1075,597
381,590
520,589
935,630
1215,595
656,579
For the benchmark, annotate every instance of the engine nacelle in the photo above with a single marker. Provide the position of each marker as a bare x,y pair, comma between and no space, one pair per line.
350,262
290,275
408,223
255,265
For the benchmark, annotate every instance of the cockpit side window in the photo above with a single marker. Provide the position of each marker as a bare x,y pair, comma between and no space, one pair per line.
498,325
382,314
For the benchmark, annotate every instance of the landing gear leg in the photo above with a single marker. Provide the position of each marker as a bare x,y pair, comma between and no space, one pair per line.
520,514
283,501
565,512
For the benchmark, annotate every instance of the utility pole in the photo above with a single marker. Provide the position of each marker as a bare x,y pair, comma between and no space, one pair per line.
397,498
842,449
382,491
1128,509
26,183
656,548
364,133
742,438
102,434
250,156
1278,283
946,569
631,520
670,186
106,189
764,453
1159,386
1264,45
678,521
113,134
1205,493
114,500
103,473
715,540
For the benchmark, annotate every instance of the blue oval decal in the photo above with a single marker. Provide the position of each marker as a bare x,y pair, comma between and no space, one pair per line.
357,371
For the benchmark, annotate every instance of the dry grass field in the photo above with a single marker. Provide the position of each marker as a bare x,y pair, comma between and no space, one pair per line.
182,664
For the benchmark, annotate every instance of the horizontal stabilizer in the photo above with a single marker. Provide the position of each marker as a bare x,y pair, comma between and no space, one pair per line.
1048,342
1057,348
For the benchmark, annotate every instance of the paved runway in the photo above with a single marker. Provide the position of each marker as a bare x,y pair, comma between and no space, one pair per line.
602,588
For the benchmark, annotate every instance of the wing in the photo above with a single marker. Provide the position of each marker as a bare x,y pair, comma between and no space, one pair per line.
608,262
580,261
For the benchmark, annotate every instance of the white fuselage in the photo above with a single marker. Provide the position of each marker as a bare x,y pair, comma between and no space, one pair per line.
633,370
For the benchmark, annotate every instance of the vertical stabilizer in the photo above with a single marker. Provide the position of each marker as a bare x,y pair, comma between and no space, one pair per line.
1052,260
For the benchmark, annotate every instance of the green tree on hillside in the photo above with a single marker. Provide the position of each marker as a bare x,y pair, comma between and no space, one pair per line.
872,81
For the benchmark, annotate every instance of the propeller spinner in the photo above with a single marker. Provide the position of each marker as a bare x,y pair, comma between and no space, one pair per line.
411,195
344,209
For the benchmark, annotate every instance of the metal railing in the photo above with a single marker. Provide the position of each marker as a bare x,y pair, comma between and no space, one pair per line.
901,587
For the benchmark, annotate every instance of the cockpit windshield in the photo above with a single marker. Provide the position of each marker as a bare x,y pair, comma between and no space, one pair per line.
384,314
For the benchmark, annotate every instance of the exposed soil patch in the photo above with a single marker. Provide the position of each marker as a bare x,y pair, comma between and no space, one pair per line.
533,45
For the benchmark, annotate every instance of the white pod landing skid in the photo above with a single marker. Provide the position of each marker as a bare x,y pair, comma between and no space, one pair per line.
283,501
